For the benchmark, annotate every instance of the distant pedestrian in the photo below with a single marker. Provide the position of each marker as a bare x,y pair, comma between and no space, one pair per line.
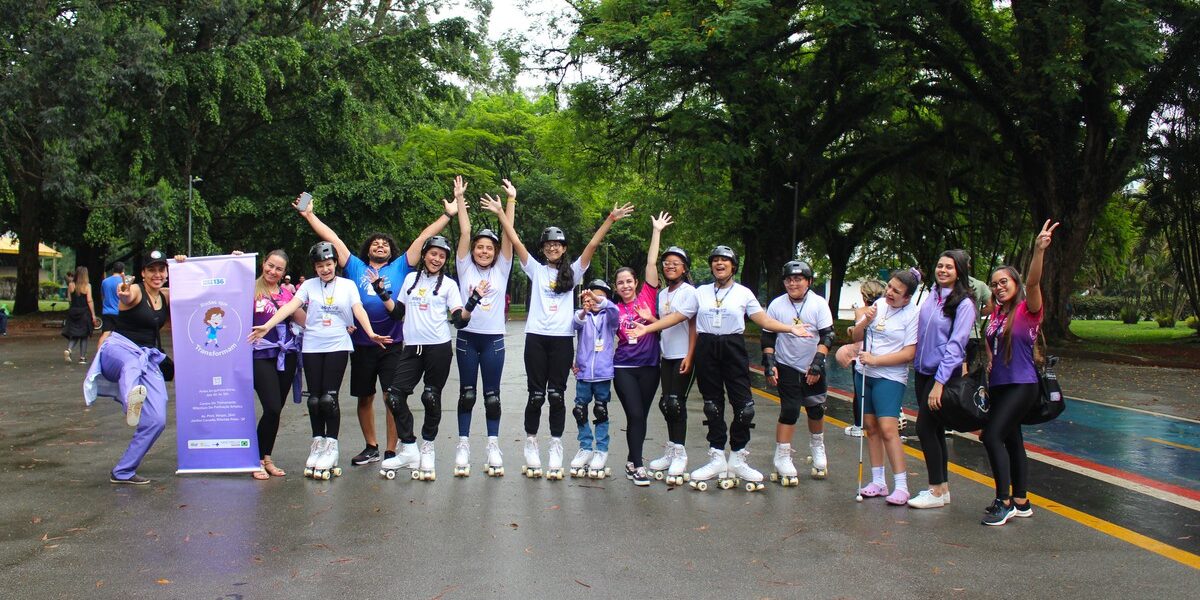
109,304
81,316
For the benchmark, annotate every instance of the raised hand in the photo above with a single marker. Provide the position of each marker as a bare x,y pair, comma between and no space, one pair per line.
620,212
450,206
662,221
307,211
509,189
1044,237
491,204
460,187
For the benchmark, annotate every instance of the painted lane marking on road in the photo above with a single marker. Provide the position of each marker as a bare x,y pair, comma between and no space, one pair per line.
1111,529
1175,444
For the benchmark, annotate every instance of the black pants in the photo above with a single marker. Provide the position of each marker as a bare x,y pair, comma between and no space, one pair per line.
547,363
433,363
635,389
272,386
676,384
930,431
723,367
1002,436
323,372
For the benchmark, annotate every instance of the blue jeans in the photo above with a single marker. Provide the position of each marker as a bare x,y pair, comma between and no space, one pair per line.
585,392
479,352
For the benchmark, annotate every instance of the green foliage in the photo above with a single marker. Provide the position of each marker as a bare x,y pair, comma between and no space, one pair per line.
1116,332
1093,307
1130,315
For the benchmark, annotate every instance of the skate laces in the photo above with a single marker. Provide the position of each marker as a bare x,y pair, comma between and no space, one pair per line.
426,447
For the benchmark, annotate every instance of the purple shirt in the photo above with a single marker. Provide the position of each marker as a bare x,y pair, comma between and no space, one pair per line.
264,309
645,352
595,362
941,349
1024,334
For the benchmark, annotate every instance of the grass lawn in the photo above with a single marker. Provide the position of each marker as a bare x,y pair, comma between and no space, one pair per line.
1145,332
43,305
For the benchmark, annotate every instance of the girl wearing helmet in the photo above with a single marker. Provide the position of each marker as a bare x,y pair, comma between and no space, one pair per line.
549,330
480,345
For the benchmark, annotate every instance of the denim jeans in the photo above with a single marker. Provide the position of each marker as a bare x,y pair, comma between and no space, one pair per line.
585,392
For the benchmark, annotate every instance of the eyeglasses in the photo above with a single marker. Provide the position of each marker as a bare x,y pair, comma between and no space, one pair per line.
673,264
553,245
998,284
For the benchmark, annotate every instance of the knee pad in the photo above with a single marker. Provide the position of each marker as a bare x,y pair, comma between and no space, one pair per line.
744,416
466,399
711,411
395,401
815,412
789,412
328,404
580,413
314,404
431,398
600,411
556,398
671,406
536,400
491,405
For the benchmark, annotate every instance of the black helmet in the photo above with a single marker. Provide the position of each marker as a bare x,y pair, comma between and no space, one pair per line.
486,233
677,251
797,267
322,251
436,241
724,252
600,284
552,234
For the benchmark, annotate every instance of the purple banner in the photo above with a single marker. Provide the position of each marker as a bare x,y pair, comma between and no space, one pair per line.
212,299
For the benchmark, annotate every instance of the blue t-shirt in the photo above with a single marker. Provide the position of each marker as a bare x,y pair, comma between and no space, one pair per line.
393,274
108,290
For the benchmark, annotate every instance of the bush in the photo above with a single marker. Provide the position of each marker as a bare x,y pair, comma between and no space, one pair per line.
8,287
48,290
1129,314
1192,322
1099,307
1164,320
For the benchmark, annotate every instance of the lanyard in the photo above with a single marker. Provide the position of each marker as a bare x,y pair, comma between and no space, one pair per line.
803,302
720,299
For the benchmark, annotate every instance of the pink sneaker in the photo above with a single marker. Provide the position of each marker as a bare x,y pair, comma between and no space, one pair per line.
898,498
873,490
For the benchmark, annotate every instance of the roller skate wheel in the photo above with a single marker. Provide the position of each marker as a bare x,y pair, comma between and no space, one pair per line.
607,471
818,473
726,484
808,460
308,471
431,476
337,471
795,481
325,475
500,472
754,486
390,475
701,485
658,475
416,474
775,477
686,477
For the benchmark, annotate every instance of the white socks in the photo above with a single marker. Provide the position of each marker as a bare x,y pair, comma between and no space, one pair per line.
877,476
901,481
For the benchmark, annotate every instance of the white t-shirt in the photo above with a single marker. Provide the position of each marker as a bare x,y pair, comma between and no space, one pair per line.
813,312
425,314
674,339
724,311
550,310
488,316
330,312
892,330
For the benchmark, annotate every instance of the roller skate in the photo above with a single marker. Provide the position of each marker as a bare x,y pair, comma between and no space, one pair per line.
313,454
785,471
533,459
677,472
658,467
554,468
327,463
425,468
579,464
407,458
715,468
462,458
820,465
743,474
494,466
596,468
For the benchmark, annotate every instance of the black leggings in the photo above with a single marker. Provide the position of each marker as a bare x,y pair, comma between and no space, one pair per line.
548,361
675,384
635,389
723,367
433,363
272,387
931,433
1002,436
323,372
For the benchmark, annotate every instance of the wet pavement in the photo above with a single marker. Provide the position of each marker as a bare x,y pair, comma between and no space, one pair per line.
67,533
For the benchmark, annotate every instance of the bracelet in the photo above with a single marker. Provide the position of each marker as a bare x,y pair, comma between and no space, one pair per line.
448,215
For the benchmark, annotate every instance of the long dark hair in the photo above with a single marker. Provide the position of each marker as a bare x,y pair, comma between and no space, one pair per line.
1011,306
364,252
962,285
565,279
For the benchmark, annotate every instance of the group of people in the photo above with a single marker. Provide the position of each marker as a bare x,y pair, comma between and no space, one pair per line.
390,317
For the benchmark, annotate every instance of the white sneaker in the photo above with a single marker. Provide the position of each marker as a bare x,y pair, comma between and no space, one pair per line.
67,356
133,405
854,431
926,499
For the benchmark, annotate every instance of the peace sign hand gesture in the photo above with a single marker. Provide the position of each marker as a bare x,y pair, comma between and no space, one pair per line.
1044,236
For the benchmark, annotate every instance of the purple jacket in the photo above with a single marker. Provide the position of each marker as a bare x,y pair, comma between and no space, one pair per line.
941,351
596,365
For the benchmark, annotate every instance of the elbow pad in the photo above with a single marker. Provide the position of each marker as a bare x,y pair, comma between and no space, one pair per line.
826,337
767,339
397,311
458,320
473,301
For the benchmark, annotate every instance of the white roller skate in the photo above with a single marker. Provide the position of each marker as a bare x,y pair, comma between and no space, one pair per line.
554,468
533,459
820,465
409,457
715,468
579,464
462,457
314,453
658,467
677,472
425,468
744,475
494,466
327,462
597,468
785,470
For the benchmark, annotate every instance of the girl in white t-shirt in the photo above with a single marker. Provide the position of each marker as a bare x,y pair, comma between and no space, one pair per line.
333,305
549,328
888,331
480,345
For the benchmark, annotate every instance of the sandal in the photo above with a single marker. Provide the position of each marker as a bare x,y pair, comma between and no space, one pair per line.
271,469
260,475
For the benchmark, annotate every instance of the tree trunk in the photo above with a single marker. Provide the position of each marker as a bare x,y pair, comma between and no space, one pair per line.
29,234
839,259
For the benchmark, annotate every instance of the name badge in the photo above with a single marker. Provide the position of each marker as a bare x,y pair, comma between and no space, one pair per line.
716,317
552,308
599,345
423,306
326,322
